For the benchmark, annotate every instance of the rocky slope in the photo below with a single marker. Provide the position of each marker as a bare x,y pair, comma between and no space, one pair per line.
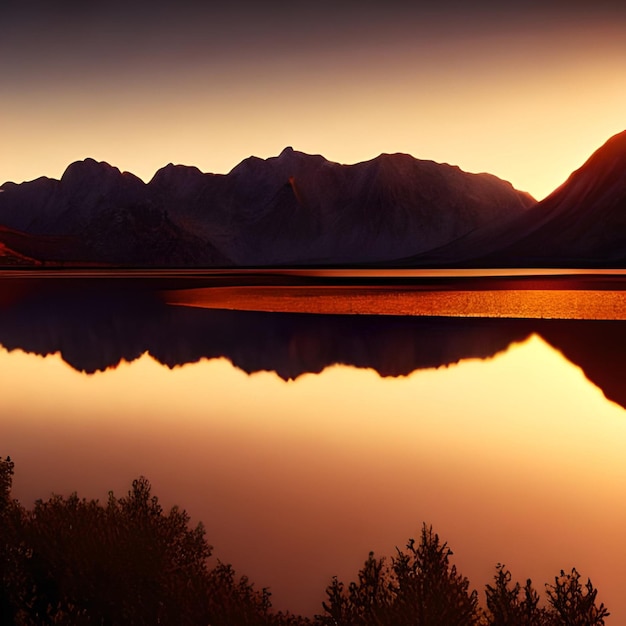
581,224
583,221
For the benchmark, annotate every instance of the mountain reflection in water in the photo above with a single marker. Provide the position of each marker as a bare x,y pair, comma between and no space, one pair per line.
510,454
95,327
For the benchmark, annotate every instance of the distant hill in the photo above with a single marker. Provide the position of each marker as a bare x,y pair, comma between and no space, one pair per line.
294,209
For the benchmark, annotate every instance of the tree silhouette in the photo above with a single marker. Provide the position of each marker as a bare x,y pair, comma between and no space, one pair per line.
126,562
73,561
421,588
507,609
573,603
430,590
12,549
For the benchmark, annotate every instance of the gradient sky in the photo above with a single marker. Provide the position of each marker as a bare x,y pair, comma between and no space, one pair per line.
526,92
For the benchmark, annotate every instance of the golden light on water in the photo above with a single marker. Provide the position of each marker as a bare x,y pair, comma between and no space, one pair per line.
413,301
516,459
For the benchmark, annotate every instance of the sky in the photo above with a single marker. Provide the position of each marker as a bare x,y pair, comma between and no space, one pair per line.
526,92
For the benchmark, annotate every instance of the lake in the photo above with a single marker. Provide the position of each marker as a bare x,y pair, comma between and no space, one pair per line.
307,418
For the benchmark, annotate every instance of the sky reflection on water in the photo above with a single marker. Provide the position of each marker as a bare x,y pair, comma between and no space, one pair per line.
517,458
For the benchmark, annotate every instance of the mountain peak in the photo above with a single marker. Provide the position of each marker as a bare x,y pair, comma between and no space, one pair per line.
614,149
605,168
289,155
395,156
93,176
170,174
395,161
612,153
87,167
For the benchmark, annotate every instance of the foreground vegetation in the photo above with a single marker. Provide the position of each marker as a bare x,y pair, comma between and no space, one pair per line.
78,562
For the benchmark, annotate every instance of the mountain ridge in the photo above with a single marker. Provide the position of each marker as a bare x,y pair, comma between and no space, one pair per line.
582,223
294,208
302,209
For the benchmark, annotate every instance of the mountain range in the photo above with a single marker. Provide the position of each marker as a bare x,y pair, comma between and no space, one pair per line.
298,209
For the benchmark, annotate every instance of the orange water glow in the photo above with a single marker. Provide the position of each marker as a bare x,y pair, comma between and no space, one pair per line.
517,459
416,301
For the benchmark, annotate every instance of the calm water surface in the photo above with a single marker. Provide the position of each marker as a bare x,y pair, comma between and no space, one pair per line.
303,441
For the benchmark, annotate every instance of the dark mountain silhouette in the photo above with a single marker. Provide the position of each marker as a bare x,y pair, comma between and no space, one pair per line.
59,207
94,324
96,215
291,209
581,224
301,209
583,221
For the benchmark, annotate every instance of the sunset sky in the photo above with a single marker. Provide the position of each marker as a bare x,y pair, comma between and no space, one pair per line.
526,92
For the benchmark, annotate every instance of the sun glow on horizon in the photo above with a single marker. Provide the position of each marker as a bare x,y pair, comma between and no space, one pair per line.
527,105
